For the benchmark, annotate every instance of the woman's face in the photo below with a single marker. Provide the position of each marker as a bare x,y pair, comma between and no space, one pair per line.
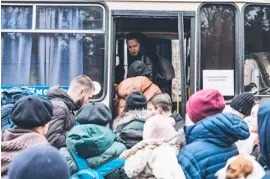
252,120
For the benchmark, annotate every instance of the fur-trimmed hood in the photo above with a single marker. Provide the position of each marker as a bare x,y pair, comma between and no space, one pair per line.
139,115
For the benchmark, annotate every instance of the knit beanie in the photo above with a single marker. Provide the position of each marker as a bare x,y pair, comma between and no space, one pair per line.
94,113
32,111
204,103
39,162
243,103
159,127
136,100
138,68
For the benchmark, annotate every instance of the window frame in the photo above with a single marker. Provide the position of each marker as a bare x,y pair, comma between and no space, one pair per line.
242,22
34,30
238,54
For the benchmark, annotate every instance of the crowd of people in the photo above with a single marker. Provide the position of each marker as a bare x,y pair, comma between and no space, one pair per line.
65,135
214,141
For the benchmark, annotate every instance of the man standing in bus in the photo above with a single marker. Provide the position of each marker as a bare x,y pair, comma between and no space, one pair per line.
137,52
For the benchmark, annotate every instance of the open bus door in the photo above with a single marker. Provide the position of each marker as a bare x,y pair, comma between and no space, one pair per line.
171,34
183,64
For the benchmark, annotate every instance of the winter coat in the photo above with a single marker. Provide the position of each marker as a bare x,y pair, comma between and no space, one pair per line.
151,159
129,127
129,85
179,121
16,140
96,144
267,175
264,135
210,143
63,117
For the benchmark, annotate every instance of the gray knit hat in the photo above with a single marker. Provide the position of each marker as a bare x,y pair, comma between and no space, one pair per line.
243,103
94,113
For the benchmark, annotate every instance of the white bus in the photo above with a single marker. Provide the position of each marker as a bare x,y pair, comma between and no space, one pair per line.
211,44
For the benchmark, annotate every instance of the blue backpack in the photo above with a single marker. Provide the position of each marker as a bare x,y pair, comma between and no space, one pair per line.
84,172
8,99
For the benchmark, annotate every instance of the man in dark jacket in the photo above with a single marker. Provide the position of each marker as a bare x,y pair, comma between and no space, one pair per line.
161,103
136,52
211,140
264,134
64,104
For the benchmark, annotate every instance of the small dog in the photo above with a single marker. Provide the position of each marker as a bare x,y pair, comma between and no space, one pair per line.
242,166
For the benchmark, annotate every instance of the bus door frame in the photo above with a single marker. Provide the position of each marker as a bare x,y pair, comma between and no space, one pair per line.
182,55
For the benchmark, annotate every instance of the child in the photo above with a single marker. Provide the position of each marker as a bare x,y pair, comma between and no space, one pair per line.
155,156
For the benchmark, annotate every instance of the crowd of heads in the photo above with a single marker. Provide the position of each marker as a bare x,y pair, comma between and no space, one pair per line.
145,127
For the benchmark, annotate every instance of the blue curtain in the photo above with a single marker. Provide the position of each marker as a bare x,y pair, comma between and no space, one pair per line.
60,54
42,59
16,47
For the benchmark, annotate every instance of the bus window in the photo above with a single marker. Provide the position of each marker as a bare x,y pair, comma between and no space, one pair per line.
257,48
50,45
218,45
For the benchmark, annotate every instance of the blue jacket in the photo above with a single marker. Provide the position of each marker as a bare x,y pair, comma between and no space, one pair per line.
264,134
210,143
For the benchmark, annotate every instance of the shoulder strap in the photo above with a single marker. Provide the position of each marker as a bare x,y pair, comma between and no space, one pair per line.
111,166
80,162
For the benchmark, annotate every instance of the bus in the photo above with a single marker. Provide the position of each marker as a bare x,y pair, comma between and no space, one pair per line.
217,44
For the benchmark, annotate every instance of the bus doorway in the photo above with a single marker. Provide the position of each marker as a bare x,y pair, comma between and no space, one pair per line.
168,35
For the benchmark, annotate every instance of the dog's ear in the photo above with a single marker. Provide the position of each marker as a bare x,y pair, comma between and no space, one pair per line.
247,168
232,171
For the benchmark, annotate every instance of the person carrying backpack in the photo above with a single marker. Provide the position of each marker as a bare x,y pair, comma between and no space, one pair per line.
137,80
93,147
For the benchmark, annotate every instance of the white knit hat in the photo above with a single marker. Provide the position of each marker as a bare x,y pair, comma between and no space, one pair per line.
159,127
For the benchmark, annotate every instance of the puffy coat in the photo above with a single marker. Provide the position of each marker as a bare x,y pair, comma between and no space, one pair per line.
129,85
129,127
14,141
63,117
96,144
264,134
210,143
6,122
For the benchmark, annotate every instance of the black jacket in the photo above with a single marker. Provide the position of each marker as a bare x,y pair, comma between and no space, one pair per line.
63,117
179,121
148,60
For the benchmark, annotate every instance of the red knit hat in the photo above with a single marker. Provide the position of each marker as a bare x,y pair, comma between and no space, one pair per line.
204,103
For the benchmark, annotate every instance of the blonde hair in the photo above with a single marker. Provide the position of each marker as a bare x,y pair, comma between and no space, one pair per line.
82,81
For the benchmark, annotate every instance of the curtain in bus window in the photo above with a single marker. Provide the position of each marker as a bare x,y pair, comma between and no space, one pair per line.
16,47
60,56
